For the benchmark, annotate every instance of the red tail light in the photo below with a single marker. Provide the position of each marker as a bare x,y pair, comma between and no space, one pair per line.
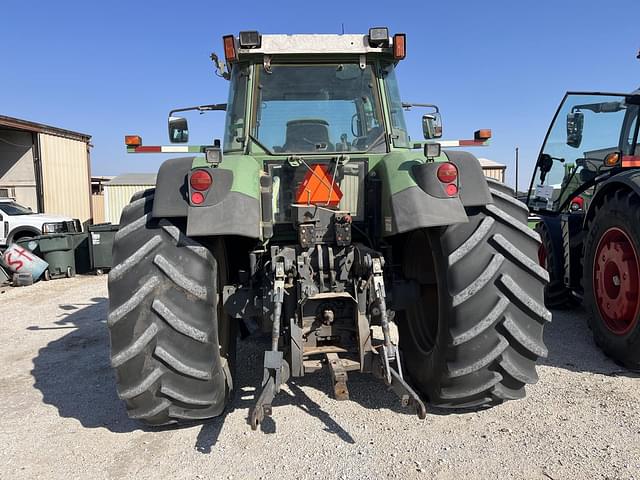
197,198
200,180
447,172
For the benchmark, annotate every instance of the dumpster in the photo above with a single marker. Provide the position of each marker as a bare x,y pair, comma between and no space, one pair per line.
80,242
57,250
32,244
101,241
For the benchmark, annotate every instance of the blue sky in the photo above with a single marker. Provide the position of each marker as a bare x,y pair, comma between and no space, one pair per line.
114,67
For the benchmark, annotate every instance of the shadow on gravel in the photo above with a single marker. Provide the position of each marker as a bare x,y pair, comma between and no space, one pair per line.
365,390
571,346
74,374
208,436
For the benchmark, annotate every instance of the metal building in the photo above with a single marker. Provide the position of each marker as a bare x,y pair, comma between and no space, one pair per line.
492,169
97,197
46,168
119,190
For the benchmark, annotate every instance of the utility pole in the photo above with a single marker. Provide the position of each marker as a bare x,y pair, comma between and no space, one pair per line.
517,168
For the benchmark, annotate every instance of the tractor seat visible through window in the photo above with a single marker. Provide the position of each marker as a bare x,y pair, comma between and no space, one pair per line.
307,135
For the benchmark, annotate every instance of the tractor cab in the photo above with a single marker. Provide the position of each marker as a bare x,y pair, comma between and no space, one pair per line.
313,94
593,136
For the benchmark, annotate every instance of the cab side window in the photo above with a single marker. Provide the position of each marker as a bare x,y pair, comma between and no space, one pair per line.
633,137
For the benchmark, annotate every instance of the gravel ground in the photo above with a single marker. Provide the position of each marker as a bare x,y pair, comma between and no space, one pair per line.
61,417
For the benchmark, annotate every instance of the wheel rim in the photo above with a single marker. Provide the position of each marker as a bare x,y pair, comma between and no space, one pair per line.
542,256
615,281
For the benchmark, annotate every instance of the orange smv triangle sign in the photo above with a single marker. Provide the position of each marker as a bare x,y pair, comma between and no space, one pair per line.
318,188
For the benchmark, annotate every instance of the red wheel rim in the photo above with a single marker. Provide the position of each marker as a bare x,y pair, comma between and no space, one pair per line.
615,281
542,256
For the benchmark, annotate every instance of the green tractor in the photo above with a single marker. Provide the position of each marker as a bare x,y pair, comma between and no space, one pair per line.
317,221
586,191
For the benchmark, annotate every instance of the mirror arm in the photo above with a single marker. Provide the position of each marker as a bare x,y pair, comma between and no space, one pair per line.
407,106
200,108
605,107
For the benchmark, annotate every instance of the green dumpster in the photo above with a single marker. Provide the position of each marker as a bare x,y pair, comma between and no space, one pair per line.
32,244
57,251
81,252
101,241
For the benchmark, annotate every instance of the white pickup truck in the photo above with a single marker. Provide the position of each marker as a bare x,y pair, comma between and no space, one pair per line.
19,222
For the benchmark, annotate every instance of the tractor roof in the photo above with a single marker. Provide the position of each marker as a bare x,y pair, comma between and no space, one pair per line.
300,44
378,41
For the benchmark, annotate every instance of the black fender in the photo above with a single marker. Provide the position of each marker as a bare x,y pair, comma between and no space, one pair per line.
223,211
428,205
171,199
424,205
474,191
626,179
22,229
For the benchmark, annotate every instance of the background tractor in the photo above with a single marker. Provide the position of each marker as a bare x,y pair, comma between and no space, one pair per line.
586,191
317,221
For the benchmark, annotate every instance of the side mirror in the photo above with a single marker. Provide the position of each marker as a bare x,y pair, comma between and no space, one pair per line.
178,130
432,125
545,163
575,123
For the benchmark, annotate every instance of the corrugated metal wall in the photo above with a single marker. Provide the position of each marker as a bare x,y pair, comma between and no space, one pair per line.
495,173
116,197
98,208
65,176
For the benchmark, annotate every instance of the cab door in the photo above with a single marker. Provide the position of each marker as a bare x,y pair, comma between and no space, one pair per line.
589,136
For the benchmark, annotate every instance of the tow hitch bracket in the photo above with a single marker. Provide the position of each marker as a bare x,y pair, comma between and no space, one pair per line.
330,320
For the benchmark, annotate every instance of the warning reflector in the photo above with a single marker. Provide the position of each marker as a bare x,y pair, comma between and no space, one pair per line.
318,188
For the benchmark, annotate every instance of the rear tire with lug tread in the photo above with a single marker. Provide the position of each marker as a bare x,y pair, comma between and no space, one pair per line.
614,228
473,337
171,345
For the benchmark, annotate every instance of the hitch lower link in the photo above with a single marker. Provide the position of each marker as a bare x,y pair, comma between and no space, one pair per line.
276,369
388,352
